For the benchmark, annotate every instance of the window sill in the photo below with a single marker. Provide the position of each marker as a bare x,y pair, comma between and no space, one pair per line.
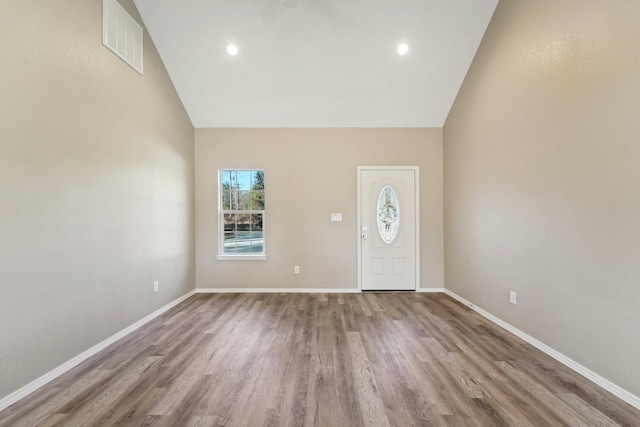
241,257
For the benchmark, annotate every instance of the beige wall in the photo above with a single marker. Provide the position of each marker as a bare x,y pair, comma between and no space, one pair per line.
310,173
542,179
96,187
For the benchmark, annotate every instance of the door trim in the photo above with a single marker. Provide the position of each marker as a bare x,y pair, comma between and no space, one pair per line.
416,171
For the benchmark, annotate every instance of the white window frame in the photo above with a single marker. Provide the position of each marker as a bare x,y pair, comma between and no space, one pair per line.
238,257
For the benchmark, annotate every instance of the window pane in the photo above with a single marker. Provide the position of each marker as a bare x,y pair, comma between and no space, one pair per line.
243,222
226,179
230,243
229,222
226,199
244,180
256,222
243,241
225,190
244,200
233,198
257,242
243,238
257,183
233,189
257,187
257,200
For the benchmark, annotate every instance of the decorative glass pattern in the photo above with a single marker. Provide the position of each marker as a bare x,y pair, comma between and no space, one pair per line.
388,215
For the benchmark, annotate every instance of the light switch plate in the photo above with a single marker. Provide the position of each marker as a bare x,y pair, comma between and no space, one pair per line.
336,217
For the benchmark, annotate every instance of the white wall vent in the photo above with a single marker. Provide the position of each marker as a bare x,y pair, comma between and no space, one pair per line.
121,34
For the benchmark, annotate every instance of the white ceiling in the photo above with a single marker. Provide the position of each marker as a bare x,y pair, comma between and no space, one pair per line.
322,63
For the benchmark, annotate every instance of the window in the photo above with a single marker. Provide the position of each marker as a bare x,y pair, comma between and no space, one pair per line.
241,214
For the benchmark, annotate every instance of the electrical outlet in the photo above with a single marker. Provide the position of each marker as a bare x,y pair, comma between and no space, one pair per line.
296,269
513,297
156,286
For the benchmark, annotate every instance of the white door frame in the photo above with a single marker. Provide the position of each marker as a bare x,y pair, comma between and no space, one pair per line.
416,170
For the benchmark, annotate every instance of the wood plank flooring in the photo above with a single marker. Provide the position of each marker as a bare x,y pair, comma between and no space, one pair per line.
371,359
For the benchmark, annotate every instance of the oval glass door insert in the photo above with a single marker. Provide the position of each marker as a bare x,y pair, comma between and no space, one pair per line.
388,215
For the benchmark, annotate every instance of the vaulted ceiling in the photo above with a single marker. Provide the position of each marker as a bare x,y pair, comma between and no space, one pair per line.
320,63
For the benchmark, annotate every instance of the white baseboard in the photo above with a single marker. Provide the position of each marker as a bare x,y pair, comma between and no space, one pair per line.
55,373
293,290
570,363
276,290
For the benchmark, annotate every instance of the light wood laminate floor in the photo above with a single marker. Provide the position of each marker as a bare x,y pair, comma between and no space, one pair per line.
383,359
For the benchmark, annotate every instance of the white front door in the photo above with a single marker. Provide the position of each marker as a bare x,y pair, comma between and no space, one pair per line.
388,228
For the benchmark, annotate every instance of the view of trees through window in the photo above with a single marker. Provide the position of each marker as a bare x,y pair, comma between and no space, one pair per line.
242,193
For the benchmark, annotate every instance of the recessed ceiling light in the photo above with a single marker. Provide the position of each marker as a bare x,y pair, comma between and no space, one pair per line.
403,48
232,49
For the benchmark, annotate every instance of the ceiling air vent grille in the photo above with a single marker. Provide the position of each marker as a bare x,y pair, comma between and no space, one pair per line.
121,34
